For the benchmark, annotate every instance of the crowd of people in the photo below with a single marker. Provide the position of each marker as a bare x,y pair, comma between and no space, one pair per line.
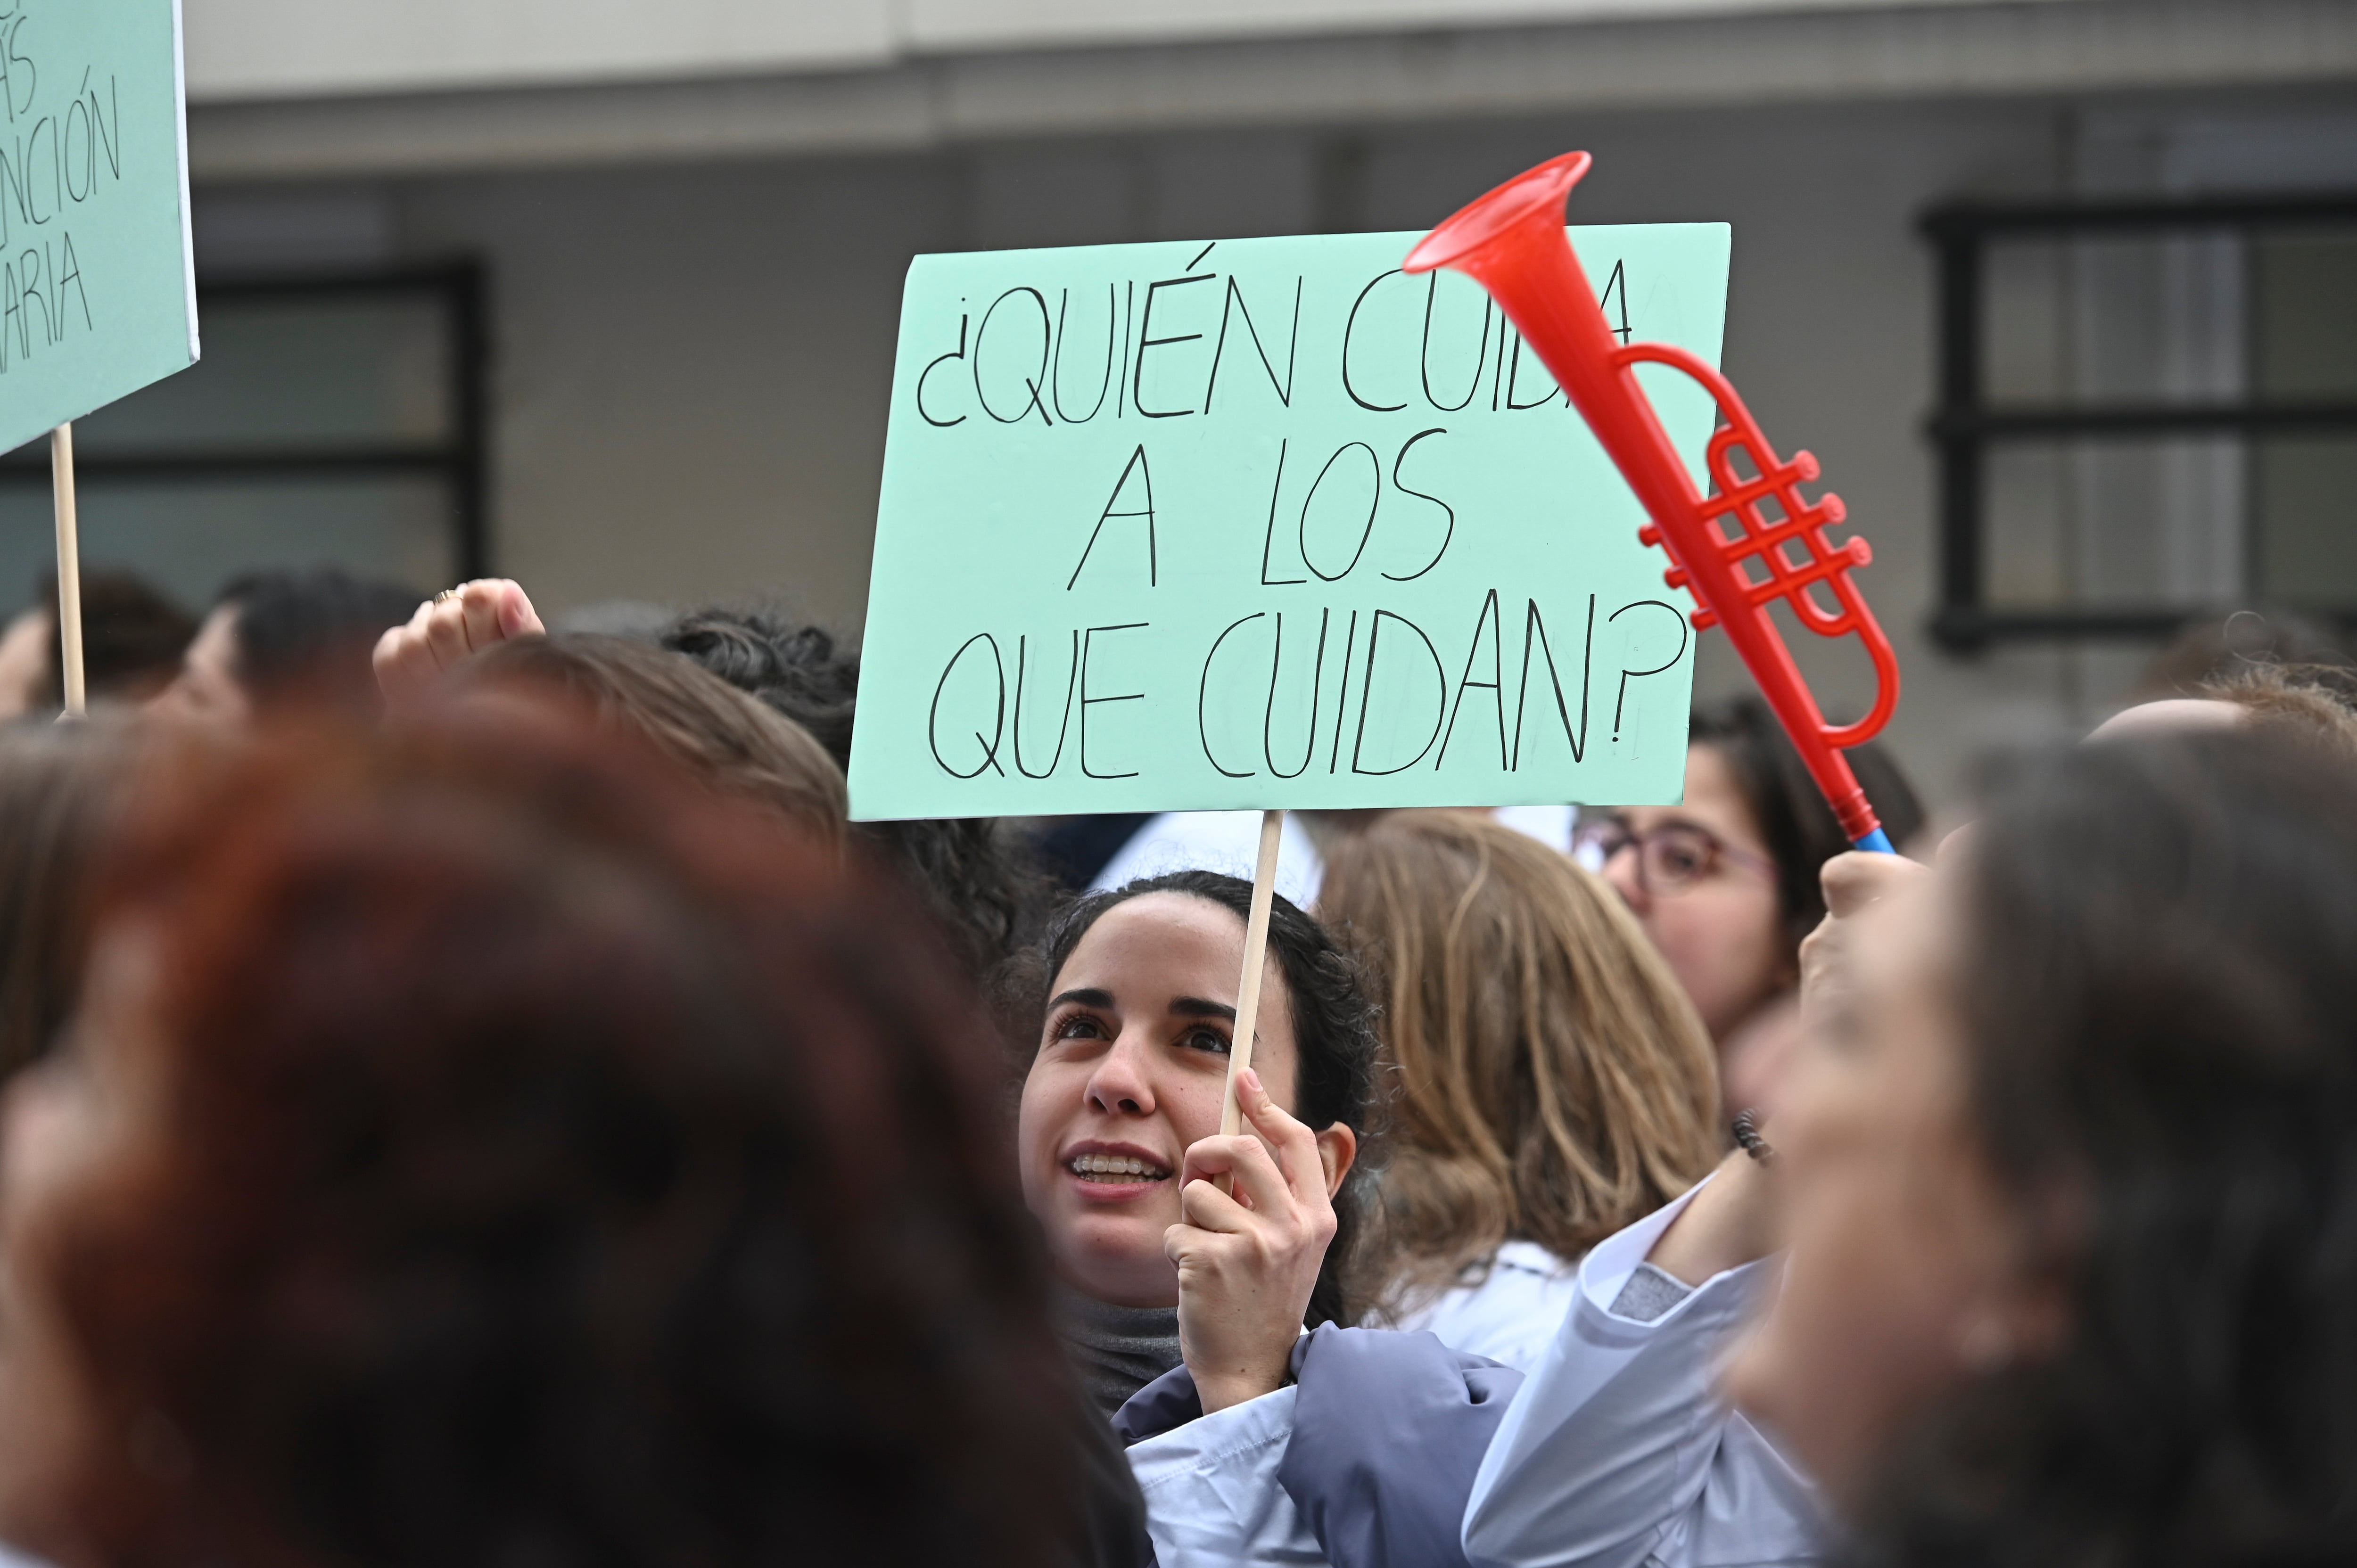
473,1098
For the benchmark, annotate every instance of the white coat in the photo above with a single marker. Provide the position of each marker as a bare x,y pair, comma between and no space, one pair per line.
1618,1450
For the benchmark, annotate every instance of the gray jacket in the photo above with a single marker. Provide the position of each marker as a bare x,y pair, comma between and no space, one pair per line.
1366,1461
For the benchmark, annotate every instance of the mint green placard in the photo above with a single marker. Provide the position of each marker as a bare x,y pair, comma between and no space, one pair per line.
97,290
1268,523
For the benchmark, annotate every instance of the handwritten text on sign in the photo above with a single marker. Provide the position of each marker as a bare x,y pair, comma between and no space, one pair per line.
1266,522
96,290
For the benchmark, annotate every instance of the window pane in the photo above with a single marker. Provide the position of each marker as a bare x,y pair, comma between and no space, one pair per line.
2116,524
306,370
2304,316
189,537
2305,493
2131,318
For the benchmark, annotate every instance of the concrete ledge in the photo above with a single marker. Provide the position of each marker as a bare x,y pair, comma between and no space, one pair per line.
2029,47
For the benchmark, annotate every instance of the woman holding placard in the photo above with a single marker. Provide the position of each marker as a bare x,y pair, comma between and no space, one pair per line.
1121,1111
1187,1303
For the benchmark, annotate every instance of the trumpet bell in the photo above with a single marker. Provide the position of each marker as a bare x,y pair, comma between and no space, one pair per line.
1534,193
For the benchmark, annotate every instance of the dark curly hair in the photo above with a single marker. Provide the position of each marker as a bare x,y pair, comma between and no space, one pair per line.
558,1165
1333,1032
1798,829
976,880
2159,988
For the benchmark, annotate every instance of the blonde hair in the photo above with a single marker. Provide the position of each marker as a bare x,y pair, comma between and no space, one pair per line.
1552,1082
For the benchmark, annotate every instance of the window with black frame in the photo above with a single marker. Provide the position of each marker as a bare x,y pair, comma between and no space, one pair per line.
2148,411
333,421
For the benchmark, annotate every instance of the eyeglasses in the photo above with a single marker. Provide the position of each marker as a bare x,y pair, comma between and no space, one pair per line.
1672,859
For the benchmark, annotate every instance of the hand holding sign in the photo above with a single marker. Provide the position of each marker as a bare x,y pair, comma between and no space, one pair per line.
1265,523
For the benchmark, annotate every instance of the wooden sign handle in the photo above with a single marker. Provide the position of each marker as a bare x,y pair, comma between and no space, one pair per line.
61,481
1239,1049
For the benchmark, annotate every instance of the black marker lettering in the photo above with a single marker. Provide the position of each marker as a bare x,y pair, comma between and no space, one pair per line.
110,146
1146,327
1347,328
1534,628
1121,383
1071,679
1236,301
1204,699
1628,675
1495,684
1342,699
71,274
1056,374
933,719
1424,357
89,148
31,76
33,295
30,155
1088,702
959,354
1374,498
1449,533
1316,685
1367,696
1032,384
1137,464
1268,540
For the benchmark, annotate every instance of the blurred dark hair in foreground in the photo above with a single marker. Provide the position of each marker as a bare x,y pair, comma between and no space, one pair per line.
526,1158
2159,993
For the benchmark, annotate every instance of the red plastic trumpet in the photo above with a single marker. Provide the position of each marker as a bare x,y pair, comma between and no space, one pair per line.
1512,242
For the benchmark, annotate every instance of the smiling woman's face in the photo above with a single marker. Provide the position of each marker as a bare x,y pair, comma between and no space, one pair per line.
1133,1060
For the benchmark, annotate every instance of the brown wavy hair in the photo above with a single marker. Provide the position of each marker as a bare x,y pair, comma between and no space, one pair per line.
1552,1083
732,742
552,1164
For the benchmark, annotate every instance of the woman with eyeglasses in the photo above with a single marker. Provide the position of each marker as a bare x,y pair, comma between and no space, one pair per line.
1725,883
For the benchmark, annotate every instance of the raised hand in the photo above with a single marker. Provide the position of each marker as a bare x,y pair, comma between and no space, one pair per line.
448,627
1248,1263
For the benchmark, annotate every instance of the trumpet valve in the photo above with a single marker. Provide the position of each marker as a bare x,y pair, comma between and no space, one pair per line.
1675,577
1804,467
1831,506
1702,618
1649,535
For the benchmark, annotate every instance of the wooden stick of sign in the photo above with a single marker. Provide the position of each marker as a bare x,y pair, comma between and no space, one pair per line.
1239,1051
61,481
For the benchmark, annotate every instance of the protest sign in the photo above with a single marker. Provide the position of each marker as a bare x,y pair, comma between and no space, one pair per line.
1268,523
97,289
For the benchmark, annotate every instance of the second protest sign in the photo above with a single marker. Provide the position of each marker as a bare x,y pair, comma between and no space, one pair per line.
1266,523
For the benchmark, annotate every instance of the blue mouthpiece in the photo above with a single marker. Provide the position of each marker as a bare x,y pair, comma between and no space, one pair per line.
1876,843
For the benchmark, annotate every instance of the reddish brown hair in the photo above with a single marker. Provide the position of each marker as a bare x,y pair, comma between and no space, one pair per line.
558,1165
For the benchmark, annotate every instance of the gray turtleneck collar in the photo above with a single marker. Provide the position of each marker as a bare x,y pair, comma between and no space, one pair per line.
1117,1350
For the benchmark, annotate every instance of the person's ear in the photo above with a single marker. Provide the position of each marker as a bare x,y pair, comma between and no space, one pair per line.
1337,1150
